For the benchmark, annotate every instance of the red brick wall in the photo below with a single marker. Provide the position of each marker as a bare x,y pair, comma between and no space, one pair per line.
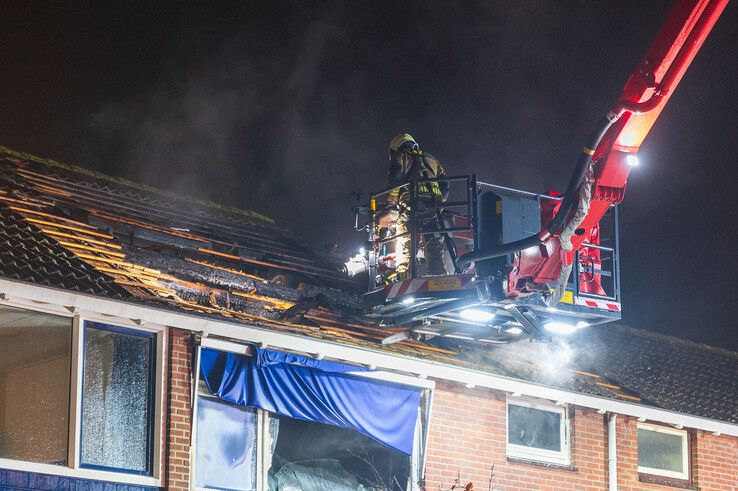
714,460
468,436
177,461
715,463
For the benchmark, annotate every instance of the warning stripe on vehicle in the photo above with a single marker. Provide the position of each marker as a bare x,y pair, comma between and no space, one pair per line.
422,285
597,304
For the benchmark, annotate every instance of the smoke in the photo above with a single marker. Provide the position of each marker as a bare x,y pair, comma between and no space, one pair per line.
251,125
285,107
552,363
290,116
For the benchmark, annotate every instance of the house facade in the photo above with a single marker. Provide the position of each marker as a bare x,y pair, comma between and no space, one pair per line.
154,341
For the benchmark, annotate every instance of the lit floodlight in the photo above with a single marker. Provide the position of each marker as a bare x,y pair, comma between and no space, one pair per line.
558,327
514,330
582,324
477,315
632,160
408,300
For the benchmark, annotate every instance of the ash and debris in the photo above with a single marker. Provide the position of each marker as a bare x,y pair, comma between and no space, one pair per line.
198,273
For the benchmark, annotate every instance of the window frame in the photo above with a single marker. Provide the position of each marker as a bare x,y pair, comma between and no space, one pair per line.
562,457
72,468
686,460
150,444
420,443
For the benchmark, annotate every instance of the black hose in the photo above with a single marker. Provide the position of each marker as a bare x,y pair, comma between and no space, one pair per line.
585,158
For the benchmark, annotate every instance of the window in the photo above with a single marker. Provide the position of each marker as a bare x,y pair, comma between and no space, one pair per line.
537,431
243,448
78,398
232,442
117,398
34,386
226,445
663,451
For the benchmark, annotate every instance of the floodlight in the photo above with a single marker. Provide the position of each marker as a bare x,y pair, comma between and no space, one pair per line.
558,327
477,315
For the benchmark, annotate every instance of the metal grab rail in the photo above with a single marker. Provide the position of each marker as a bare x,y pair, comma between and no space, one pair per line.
527,194
473,188
415,232
614,273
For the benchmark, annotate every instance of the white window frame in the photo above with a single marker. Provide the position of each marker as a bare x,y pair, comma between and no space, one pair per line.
262,432
72,469
684,476
562,457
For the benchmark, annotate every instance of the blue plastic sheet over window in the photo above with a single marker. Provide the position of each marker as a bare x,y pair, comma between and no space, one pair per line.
314,390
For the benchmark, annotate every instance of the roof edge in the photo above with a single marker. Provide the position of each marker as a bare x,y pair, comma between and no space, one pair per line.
142,187
32,296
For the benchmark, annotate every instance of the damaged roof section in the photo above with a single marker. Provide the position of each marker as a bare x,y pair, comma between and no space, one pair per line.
146,246
67,227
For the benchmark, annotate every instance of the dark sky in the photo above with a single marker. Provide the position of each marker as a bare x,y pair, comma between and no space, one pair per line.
287,107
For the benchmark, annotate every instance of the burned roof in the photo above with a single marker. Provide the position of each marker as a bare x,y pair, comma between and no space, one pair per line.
70,228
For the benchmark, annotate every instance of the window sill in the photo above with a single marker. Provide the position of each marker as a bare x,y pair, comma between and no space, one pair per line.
64,471
665,481
539,463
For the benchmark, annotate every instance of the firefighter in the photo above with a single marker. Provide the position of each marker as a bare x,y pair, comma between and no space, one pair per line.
407,162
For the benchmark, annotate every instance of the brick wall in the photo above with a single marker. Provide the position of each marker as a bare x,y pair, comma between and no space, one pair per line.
179,369
715,463
714,460
468,437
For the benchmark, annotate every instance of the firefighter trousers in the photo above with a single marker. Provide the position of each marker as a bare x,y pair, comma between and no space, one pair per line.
433,245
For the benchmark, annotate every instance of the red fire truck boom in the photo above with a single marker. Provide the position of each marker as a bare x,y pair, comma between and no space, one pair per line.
603,167
512,252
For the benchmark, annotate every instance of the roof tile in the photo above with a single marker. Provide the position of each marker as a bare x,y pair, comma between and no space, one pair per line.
66,227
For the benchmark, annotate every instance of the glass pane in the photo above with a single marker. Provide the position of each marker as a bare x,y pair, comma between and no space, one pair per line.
660,450
226,446
34,386
116,399
534,428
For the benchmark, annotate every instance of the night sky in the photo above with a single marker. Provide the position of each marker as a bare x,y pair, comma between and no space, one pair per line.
286,108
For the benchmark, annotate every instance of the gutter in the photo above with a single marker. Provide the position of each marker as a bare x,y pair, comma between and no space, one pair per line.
612,452
63,302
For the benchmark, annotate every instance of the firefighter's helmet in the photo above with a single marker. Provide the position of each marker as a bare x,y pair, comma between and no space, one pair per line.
401,142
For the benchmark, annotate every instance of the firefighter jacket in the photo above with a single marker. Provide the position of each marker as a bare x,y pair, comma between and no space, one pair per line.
417,165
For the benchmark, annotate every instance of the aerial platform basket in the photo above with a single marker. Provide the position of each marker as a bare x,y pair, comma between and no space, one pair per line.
478,302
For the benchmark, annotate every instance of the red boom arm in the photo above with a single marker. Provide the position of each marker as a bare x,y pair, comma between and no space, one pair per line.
644,97
645,94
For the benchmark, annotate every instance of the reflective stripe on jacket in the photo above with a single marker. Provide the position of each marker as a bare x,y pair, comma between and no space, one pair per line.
428,167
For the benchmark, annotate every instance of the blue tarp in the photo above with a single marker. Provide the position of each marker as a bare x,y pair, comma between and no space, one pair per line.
315,390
